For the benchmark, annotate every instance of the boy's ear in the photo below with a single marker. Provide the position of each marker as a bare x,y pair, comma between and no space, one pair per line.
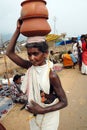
46,54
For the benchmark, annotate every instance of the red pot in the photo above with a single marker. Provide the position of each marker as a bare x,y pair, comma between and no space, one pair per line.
34,8
35,27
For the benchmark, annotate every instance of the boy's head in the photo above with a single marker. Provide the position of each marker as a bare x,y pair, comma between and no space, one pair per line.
41,46
37,42
37,50
17,79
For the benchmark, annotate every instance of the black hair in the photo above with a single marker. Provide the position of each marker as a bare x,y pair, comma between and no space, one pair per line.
74,39
69,52
82,36
42,46
16,77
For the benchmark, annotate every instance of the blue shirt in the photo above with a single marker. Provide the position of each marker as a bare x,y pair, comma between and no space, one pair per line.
73,58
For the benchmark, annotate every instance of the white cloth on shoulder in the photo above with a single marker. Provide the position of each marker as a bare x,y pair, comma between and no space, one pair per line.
36,79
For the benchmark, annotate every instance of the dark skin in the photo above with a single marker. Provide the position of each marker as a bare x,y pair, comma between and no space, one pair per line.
55,81
37,58
2,127
10,52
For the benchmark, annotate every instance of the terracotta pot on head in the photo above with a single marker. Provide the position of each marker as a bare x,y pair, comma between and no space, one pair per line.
34,8
35,27
34,15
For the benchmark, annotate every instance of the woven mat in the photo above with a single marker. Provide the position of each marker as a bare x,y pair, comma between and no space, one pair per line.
58,67
6,104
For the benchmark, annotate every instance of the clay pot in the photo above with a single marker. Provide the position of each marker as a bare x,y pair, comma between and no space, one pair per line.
35,27
34,8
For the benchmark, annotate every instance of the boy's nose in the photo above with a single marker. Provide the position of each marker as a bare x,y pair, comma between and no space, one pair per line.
32,57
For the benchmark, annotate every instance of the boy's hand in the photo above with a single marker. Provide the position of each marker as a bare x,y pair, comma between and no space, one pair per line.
19,23
35,108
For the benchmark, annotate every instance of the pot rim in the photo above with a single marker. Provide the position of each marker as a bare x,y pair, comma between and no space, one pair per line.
26,1
34,16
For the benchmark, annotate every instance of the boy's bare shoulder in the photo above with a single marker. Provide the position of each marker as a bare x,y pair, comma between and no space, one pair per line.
53,74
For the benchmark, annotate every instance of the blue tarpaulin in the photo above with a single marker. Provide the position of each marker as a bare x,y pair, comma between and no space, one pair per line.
63,42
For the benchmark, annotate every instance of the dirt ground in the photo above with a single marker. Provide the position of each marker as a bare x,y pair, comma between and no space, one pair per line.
9,67
73,117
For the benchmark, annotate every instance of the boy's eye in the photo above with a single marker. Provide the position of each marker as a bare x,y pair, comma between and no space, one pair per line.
35,54
29,54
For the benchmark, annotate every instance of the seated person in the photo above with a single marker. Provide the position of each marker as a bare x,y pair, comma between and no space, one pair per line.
16,93
73,58
67,60
52,57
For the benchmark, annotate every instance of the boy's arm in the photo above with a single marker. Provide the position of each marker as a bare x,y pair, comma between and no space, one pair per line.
10,52
55,81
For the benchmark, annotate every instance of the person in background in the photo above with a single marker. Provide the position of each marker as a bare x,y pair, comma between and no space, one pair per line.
77,51
73,58
74,47
40,80
52,57
81,41
84,56
67,60
15,90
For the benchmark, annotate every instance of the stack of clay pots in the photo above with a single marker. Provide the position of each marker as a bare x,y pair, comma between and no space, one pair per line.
34,15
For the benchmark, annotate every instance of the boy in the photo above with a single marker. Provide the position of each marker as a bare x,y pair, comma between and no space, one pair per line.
16,93
40,77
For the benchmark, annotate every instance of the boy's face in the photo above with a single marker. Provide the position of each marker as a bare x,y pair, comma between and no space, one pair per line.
36,57
18,81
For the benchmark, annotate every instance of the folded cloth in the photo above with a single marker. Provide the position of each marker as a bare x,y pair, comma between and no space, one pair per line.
36,39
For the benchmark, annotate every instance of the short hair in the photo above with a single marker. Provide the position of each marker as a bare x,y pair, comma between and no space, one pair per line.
74,39
51,51
42,46
82,36
16,77
69,52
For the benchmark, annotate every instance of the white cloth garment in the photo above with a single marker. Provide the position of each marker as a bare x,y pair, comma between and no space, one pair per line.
48,121
83,68
36,79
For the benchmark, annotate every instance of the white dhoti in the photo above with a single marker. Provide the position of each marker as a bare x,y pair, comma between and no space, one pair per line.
48,121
